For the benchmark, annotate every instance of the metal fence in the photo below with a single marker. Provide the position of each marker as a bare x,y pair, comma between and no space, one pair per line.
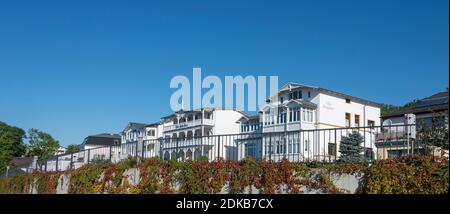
323,145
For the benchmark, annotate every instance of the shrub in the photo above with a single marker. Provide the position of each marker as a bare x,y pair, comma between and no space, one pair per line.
408,175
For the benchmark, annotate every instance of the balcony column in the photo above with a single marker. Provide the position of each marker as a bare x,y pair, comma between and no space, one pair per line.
203,128
203,132
288,117
263,117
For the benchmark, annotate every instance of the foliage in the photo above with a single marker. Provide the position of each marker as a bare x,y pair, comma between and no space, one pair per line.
435,135
86,179
411,174
41,144
19,183
408,175
72,148
46,182
11,144
351,149
387,108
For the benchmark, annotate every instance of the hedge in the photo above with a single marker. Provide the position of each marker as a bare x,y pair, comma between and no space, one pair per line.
405,175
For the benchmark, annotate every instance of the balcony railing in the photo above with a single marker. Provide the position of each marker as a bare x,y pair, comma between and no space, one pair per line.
188,124
390,136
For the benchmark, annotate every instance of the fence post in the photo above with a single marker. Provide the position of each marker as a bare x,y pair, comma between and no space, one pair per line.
71,160
218,147
270,146
143,147
161,141
57,163
136,152
46,165
335,145
89,155
176,148
110,154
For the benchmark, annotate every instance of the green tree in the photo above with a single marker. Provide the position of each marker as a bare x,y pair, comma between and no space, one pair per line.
434,137
41,144
11,144
72,149
351,149
387,108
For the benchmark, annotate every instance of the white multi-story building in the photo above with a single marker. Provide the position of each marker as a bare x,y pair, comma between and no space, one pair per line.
188,133
313,111
141,139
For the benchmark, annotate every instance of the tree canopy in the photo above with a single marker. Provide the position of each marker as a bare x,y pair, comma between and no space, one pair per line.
387,108
72,149
41,144
11,144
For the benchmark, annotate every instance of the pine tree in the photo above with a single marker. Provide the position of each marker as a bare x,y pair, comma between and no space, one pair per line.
351,149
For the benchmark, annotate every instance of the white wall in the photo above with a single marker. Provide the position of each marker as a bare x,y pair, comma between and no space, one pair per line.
331,112
226,122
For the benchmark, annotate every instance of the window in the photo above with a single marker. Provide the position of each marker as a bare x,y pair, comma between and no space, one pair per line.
347,100
371,123
309,115
281,99
290,114
356,120
347,120
294,114
332,149
304,115
290,96
309,94
151,133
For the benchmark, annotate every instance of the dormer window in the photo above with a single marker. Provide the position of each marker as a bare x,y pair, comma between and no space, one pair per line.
281,100
295,95
347,100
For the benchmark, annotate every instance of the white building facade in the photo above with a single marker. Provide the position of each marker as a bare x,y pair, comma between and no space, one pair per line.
139,139
189,134
307,123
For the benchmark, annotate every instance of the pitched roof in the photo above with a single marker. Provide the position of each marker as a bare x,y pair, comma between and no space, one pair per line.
103,139
435,103
134,125
302,103
19,161
438,95
293,85
107,135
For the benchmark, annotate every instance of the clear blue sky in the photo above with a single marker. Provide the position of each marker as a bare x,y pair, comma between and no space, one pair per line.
75,68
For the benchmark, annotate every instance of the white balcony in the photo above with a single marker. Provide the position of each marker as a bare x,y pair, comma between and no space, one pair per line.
208,122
